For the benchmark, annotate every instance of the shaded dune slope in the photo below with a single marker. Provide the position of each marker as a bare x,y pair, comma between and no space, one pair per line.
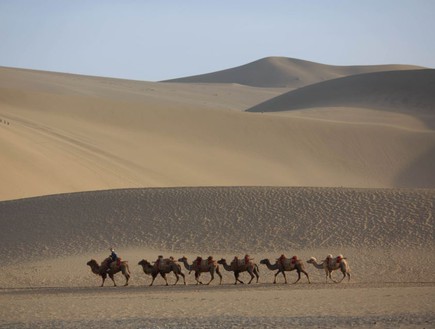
285,72
227,219
411,91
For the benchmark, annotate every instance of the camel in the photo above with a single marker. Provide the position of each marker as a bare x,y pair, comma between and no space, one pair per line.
286,264
333,264
166,266
205,265
240,266
103,270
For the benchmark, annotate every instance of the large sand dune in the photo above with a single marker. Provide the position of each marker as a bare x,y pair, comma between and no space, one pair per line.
68,133
285,72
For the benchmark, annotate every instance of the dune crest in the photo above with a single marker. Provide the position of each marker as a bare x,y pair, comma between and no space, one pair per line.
272,72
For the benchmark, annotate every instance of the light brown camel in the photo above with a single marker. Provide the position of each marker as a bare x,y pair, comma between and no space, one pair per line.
204,265
331,265
240,266
103,270
286,264
166,266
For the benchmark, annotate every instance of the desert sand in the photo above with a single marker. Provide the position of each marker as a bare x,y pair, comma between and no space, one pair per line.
225,166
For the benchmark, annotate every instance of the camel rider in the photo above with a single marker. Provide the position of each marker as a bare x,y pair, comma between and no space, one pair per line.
247,259
112,258
198,261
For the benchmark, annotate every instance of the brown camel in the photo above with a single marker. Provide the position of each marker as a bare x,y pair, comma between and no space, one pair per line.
286,264
332,264
166,266
103,270
202,266
240,266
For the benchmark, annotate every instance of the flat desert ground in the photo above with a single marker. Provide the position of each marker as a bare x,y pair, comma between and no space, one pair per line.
310,160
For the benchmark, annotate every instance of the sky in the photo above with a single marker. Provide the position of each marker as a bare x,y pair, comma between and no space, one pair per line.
154,40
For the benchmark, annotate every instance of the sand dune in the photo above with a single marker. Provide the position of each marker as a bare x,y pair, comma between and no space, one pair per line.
410,92
69,133
364,224
285,72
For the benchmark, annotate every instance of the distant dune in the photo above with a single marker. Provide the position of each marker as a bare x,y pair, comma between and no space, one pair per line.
411,92
285,72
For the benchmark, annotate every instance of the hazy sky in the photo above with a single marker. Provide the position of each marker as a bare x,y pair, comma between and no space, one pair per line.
157,39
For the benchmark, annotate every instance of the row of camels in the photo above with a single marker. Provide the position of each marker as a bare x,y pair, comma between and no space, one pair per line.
167,265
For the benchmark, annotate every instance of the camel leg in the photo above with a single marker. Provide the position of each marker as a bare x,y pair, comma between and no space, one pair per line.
127,277
299,276
252,276
306,274
103,277
113,279
184,277
220,275
163,275
154,277
176,278
236,275
197,274
211,276
256,274
330,276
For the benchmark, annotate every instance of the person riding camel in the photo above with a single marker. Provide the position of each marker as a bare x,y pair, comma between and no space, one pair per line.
247,259
112,258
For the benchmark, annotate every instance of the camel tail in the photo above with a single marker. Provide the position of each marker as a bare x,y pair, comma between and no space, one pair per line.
258,269
127,267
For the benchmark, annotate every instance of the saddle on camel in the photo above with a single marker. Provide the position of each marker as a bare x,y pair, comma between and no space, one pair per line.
240,262
200,262
284,260
331,261
163,262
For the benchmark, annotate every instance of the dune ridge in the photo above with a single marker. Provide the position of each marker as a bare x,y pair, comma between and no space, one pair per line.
285,72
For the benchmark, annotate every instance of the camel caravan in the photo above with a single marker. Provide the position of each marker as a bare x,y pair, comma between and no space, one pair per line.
162,266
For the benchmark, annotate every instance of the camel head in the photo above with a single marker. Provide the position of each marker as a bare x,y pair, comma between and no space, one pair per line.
92,262
312,260
264,261
183,259
222,261
143,262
